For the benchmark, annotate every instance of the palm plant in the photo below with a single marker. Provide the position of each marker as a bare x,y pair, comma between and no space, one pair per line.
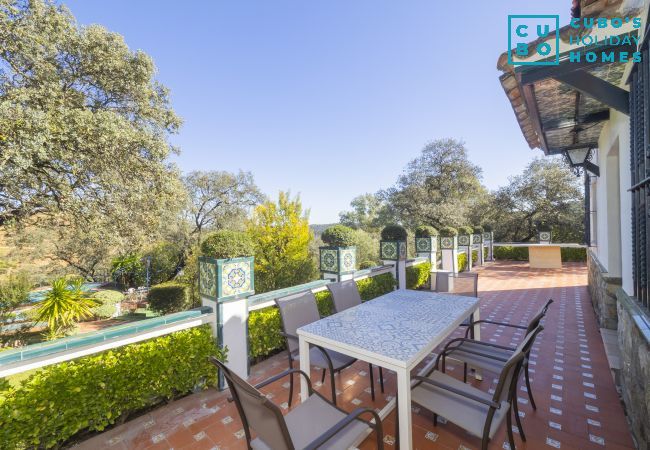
64,305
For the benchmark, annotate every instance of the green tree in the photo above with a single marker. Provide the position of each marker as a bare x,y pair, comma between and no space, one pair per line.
219,198
65,304
84,125
546,192
281,234
439,187
369,213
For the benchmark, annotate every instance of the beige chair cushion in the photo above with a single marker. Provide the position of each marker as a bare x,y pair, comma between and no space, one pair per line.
465,413
312,418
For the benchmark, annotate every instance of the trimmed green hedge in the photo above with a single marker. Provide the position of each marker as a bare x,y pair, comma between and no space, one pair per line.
264,325
462,262
96,391
574,254
170,297
418,276
509,253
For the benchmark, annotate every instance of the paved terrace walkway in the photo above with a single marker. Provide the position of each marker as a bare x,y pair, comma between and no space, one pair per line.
578,407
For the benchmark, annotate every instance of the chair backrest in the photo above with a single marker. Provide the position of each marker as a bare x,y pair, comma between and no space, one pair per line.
537,318
510,372
345,295
257,411
295,311
466,283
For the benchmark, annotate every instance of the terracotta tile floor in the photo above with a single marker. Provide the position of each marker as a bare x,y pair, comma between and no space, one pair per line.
577,403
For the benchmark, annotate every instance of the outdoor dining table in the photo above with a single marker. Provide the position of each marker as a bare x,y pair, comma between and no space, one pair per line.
395,331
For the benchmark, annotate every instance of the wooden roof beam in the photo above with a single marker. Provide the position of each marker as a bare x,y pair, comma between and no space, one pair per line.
598,89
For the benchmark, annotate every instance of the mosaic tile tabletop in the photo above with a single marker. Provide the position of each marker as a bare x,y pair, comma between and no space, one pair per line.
397,325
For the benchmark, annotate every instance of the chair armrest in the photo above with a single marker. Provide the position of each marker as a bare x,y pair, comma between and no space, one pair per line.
490,403
492,322
289,336
282,375
486,344
354,415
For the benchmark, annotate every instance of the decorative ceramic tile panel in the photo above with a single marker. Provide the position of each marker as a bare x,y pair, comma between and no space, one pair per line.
463,239
487,236
329,261
402,251
208,279
545,236
348,259
397,325
425,244
388,250
476,239
447,243
235,278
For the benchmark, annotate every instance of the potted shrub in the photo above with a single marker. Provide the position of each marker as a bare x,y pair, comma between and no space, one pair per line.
339,256
426,239
226,267
448,238
465,236
544,233
392,246
477,237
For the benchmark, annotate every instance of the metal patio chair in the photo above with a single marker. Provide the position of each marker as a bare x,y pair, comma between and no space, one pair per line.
298,310
345,295
314,423
478,412
466,350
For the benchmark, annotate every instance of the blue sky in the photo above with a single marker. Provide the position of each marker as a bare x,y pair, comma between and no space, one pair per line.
329,99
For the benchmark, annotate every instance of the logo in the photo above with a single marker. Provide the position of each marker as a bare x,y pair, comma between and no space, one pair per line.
523,30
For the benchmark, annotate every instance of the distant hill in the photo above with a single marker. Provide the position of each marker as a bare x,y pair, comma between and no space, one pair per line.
318,228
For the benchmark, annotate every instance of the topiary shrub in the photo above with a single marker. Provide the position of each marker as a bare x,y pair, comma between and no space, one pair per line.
487,228
465,230
167,298
339,236
224,244
448,232
107,303
394,233
543,226
478,229
425,231
93,392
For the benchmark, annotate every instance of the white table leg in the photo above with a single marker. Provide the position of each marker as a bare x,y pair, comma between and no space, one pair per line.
303,347
404,408
476,316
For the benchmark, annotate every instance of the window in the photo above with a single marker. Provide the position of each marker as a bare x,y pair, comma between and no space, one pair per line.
640,168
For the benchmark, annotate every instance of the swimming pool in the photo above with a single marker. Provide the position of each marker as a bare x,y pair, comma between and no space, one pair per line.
37,296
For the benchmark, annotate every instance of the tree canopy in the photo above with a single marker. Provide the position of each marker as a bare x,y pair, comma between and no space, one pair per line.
84,125
545,192
439,187
281,234
217,198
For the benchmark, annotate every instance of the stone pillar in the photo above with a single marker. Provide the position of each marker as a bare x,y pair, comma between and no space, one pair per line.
225,285
449,250
394,252
488,240
338,263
